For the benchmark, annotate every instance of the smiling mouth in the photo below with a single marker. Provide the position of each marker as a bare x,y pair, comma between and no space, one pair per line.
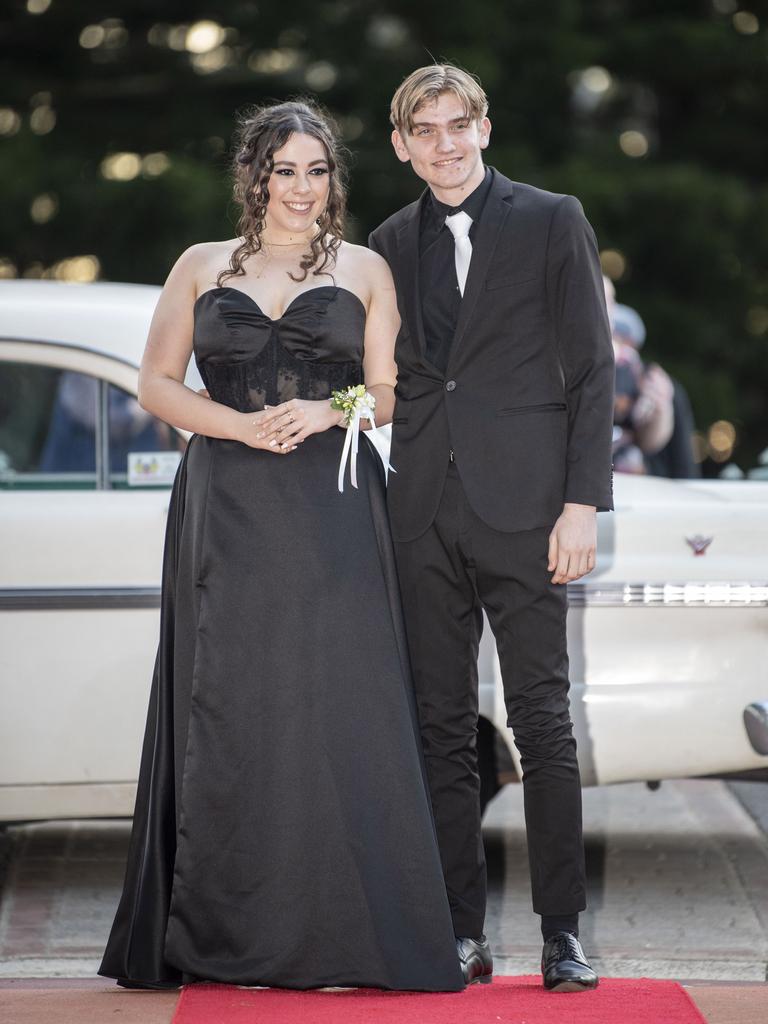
447,163
300,207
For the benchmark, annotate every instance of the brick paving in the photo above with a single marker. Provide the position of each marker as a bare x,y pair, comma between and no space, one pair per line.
678,888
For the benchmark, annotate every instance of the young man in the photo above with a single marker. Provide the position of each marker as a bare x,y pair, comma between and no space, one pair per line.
502,445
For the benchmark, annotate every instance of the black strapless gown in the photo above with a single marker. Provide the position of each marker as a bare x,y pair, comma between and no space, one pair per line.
282,833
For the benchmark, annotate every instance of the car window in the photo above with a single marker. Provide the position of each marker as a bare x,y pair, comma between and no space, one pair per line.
47,427
135,437
64,429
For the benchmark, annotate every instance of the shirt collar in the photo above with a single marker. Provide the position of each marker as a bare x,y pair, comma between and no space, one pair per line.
472,204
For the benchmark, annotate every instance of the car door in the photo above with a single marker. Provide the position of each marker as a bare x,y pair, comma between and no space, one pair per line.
82,518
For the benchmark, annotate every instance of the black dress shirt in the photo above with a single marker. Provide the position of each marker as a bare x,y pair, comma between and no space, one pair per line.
438,284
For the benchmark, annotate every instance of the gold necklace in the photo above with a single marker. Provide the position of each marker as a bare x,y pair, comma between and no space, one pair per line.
269,246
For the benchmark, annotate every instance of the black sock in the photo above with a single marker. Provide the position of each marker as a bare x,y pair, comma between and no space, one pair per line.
566,923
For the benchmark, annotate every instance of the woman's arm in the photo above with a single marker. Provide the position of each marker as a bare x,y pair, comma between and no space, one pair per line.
162,391
381,327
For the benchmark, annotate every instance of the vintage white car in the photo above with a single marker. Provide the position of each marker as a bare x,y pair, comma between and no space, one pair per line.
668,635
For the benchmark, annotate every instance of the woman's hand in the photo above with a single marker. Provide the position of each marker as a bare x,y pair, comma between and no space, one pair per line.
251,430
285,426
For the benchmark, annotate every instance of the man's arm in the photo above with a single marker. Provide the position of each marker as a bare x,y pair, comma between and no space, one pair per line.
373,242
577,302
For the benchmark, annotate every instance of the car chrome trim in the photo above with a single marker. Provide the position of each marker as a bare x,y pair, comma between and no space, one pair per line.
593,595
679,595
77,598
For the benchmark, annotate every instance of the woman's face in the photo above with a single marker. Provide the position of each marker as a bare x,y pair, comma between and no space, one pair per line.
298,185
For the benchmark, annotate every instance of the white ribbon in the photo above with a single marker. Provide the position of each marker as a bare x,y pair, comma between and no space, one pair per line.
363,410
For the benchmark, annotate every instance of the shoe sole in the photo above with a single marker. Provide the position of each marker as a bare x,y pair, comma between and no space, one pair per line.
572,986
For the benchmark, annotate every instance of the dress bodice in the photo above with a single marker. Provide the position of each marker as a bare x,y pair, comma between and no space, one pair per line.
248,360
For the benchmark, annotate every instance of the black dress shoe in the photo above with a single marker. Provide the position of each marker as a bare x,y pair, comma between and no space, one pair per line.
564,966
476,960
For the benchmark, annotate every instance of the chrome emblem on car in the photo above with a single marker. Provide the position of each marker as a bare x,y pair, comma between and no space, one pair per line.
699,544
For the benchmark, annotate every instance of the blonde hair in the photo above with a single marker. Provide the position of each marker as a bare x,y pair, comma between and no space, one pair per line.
425,85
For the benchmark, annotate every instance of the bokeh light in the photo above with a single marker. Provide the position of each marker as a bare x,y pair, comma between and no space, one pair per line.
270,62
10,122
387,31
203,36
614,264
121,166
746,23
721,438
633,143
91,37
75,268
320,76
154,164
699,444
212,60
42,120
757,320
44,207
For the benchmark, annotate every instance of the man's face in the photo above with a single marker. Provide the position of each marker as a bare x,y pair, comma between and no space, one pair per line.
445,146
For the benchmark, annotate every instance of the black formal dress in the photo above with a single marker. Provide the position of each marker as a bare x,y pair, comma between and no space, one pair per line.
282,833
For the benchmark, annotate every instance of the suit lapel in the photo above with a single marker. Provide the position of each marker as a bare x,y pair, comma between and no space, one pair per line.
408,264
497,209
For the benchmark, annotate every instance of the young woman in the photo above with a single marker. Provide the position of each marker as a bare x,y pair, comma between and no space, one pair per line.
283,833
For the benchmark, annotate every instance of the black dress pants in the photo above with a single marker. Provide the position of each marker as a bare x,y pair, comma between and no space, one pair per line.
448,575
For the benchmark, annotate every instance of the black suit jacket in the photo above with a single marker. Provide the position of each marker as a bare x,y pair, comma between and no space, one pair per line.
526,401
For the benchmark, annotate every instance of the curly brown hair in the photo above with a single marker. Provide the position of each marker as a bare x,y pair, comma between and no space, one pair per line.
261,131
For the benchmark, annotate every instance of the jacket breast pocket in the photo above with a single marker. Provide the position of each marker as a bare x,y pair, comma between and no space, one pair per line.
542,407
512,280
399,419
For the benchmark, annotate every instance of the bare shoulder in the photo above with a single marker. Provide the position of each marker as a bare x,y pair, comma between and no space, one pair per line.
365,265
208,259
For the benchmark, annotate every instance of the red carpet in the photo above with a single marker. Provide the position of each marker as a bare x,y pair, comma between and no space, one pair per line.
520,1000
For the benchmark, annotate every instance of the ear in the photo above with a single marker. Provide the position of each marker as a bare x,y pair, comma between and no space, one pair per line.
399,146
485,133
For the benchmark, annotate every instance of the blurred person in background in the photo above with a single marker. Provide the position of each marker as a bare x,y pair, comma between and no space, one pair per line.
653,420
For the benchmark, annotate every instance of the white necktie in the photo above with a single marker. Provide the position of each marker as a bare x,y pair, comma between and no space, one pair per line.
459,225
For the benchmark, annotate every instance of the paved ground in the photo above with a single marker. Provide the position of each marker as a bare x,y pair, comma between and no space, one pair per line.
678,888
678,883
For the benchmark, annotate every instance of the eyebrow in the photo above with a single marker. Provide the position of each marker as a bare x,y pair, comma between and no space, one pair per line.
290,163
431,124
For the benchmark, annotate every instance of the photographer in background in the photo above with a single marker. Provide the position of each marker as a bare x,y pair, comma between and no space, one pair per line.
653,422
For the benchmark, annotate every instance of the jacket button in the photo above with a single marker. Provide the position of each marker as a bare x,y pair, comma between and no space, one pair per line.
450,385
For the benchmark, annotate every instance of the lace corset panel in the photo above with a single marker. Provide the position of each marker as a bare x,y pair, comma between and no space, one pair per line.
248,360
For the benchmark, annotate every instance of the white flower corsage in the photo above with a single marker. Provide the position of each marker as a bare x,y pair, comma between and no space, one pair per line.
357,404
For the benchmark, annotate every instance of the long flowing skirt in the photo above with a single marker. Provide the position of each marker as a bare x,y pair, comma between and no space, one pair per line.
282,833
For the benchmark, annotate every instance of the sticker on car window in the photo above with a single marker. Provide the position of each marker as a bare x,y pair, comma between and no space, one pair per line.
152,469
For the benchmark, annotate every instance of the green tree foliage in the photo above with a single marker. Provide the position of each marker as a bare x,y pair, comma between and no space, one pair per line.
682,200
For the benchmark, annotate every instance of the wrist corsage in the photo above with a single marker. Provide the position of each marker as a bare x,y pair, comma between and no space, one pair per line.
357,404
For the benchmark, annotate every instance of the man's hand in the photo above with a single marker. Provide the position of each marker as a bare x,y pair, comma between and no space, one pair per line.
573,542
